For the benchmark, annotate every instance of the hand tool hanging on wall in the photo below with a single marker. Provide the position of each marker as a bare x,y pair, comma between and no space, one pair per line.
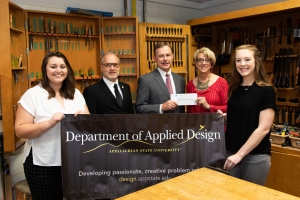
86,34
187,53
45,27
275,68
51,32
296,33
273,46
278,68
94,33
292,76
288,30
68,32
253,33
180,47
279,33
282,68
30,24
266,42
298,72
227,56
30,42
46,44
220,56
286,79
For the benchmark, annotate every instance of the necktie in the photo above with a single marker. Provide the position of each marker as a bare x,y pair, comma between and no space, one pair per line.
118,95
169,84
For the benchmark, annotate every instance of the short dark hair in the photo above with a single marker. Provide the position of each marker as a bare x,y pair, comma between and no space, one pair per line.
160,45
67,89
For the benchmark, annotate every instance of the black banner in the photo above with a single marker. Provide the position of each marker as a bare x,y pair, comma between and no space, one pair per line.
108,156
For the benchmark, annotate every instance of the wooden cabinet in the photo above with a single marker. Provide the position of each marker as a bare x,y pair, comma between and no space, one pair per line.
120,36
30,35
13,68
176,35
260,26
76,36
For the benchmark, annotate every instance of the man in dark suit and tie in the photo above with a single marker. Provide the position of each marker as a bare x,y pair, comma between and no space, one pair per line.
109,96
154,89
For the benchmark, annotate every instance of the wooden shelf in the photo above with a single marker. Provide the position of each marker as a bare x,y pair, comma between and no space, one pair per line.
127,55
287,149
290,56
78,78
127,75
62,35
287,89
280,103
129,33
16,30
85,78
18,68
165,37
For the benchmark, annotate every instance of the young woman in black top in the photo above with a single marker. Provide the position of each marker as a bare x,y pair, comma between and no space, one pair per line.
250,113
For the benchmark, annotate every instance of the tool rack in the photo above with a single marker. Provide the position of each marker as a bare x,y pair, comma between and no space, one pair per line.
177,36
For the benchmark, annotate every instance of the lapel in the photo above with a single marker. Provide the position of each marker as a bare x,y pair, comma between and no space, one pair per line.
107,91
124,91
161,82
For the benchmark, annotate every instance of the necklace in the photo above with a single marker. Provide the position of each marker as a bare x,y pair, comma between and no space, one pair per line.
246,88
204,85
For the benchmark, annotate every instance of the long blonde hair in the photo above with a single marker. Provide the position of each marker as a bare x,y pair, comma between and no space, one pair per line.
260,74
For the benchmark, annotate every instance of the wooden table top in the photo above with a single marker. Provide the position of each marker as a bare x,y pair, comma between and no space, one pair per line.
207,184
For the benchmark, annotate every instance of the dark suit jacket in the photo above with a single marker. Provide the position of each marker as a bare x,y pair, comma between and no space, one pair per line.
152,91
100,100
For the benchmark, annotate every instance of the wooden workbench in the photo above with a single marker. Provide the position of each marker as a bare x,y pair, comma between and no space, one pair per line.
207,184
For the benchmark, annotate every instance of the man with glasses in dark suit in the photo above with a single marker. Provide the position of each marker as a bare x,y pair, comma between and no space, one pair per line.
109,95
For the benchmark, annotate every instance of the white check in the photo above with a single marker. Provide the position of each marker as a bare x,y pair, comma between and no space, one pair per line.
184,99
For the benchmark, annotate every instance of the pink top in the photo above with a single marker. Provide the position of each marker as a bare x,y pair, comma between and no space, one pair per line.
216,96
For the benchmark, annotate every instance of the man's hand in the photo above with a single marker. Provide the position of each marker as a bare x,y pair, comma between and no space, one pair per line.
169,105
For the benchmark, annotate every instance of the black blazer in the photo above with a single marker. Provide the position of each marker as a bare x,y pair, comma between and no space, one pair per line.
100,100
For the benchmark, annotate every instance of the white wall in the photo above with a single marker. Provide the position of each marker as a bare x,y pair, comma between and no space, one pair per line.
158,11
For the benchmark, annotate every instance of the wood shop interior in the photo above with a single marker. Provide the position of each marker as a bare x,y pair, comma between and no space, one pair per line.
84,36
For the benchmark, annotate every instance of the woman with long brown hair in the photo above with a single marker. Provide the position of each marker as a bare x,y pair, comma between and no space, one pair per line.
38,117
250,113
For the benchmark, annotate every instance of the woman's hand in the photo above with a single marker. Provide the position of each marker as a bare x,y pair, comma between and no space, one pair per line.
85,111
223,115
201,101
232,161
57,117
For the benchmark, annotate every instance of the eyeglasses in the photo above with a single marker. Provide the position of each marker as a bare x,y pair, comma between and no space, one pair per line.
108,65
201,60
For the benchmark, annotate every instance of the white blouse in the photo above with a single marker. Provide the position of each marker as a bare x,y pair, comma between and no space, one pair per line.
46,149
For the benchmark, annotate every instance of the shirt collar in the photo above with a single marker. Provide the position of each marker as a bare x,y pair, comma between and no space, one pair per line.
110,83
163,73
